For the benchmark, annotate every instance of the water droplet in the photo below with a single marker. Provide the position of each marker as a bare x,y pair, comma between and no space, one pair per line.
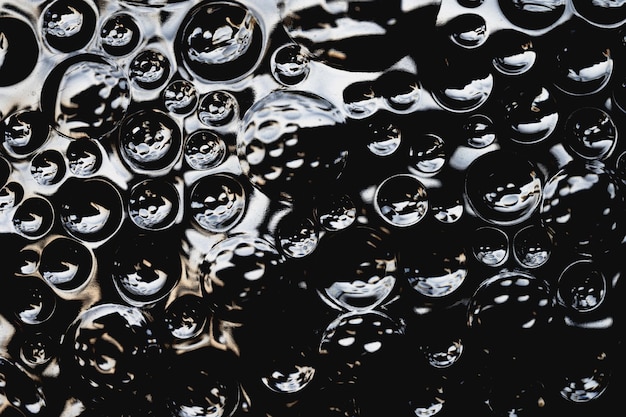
384,136
204,150
21,394
590,133
217,202
185,317
150,141
491,246
85,96
514,52
66,264
48,167
297,236
335,212
218,108
221,41
604,14
470,4
502,188
531,113
532,246
10,196
84,157
292,142
153,204
34,217
527,14
468,30
479,131
290,64
24,131
68,25
180,97
401,200
149,69
34,301
120,34
19,51
581,286
361,100
37,349
427,154
400,90
444,355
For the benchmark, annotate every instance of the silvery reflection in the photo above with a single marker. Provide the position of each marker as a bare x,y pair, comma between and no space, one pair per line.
37,349
531,111
10,196
180,97
533,14
335,212
514,52
149,69
204,149
20,393
590,133
462,88
297,237
401,200
290,64
120,34
185,317
84,157
427,154
444,355
34,301
532,246
34,217
491,246
479,131
289,381
581,286
360,100
66,264
68,25
218,108
384,137
602,13
153,204
24,131
217,202
48,167
400,90
468,30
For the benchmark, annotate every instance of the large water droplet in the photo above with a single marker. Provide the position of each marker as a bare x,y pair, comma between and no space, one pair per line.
479,131
401,200
153,204
66,264
297,236
217,202
185,318
590,133
19,51
604,14
68,25
468,30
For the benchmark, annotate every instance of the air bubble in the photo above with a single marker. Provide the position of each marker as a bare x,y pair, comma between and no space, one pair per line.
84,157
149,69
491,246
19,51
120,34
217,202
290,64
581,286
68,25
532,246
48,167
34,217
590,133
218,108
204,149
66,264
401,200
180,97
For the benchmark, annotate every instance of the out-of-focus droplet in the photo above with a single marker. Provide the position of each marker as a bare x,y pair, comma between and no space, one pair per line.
218,108
91,210
180,97
185,317
149,69
204,149
10,196
400,90
401,200
531,113
24,131
153,204
48,167
335,212
429,401
66,264
292,142
20,394
297,236
581,286
37,349
86,96
290,64
532,246
502,188
491,246
514,52
479,131
354,269
144,269
19,51
34,217
426,154
520,397
150,141
84,157
583,208
468,30
590,133
217,202
34,301
68,25
220,41
604,14
383,136
526,14
120,34
443,355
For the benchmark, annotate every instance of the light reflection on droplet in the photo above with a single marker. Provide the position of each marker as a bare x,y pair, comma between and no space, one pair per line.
401,200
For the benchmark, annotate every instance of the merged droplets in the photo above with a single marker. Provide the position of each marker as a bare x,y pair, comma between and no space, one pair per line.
401,200
590,133
217,202
68,25
581,286
19,51
154,204
204,149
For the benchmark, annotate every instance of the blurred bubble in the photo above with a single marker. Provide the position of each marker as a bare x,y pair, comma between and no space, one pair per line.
19,51
220,41
68,25
479,131
66,264
502,188
204,149
84,157
531,113
180,97
150,141
48,167
401,200
427,154
590,133
468,30
185,317
582,208
218,108
400,90
581,286
290,141
34,301
297,236
491,246
34,217
335,212
145,269
290,64
590,378
153,204
37,349
532,246
604,14
24,131
86,96
91,210
120,34
149,69
536,14
217,202
514,52
11,195
20,394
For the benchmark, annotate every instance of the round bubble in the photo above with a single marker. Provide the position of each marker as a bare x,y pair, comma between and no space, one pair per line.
153,204
444,355
84,157
150,141
446,207
401,200
383,136
10,196
468,30
590,133
427,154
589,379
400,90
583,207
502,188
66,264
20,393
34,217
335,212
514,52
204,149
180,97
68,25
490,246
218,108
530,112
217,202
19,51
86,96
581,286
24,131
220,41
120,34
461,87
34,302
48,167
536,14
532,246
37,349
479,131
185,318
360,99
292,142
296,236
149,69
290,64
604,14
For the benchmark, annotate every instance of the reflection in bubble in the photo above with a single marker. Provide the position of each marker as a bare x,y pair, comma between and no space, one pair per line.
24,131
468,30
531,113
335,212
204,149
491,246
68,25
180,97
532,246
34,217
10,196
297,237
20,394
185,317
460,87
66,264
479,131
590,133
153,204
217,202
149,69
19,51
120,34
514,52
400,90
401,200
218,108
581,286
427,154
533,14
604,13
48,167
37,349
34,302
384,137
290,64
84,157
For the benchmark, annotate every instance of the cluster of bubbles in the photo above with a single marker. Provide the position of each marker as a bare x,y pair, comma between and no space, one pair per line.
229,208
